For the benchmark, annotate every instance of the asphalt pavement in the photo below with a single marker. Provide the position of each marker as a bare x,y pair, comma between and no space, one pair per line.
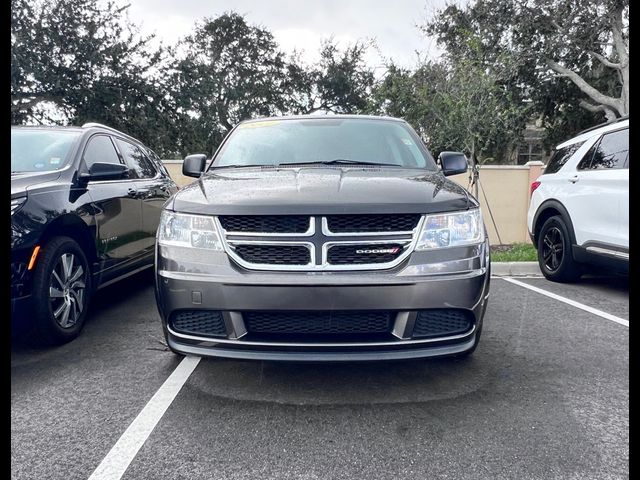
545,395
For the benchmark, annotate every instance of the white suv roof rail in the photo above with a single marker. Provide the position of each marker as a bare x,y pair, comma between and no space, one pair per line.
610,122
590,132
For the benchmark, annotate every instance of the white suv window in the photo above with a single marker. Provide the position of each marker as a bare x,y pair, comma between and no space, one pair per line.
560,157
610,152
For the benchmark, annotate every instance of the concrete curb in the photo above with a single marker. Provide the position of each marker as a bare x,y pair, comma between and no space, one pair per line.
515,269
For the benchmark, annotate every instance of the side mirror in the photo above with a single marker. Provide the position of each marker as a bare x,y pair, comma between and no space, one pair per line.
105,171
193,165
453,163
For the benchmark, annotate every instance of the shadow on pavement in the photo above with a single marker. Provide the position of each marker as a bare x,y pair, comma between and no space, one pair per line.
613,281
341,383
104,300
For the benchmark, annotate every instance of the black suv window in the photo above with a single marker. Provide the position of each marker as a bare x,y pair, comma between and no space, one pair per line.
156,160
560,157
137,161
100,149
610,152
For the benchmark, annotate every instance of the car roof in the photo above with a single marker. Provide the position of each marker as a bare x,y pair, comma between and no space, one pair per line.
66,128
595,131
317,116
85,127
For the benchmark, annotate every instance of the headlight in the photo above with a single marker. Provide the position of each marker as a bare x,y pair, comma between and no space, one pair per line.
16,203
451,230
195,231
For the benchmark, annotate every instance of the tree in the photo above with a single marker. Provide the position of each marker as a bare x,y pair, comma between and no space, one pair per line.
580,40
341,82
229,71
74,61
459,103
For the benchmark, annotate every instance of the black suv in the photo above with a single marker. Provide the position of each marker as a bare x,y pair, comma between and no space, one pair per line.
85,206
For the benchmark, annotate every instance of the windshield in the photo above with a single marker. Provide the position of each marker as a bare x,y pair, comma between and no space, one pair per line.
334,140
40,150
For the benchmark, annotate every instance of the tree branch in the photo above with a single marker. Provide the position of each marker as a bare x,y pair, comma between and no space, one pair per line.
595,95
610,114
605,62
618,39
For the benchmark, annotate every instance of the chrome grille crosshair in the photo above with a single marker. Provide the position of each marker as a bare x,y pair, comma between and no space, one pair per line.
280,250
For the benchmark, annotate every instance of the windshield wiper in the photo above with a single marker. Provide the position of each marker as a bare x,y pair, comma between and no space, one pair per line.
240,166
340,161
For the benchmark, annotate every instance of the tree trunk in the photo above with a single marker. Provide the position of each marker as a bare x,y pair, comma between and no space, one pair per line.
611,106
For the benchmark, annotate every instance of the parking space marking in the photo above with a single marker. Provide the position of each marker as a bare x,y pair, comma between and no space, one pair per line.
126,448
568,301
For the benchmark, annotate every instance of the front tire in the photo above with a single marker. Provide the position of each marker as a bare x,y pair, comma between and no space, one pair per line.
554,252
61,291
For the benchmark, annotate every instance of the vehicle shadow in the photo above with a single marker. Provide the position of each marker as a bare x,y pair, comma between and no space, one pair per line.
349,383
606,279
104,302
114,295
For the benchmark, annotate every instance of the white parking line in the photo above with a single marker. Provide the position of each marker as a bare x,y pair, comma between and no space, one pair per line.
126,448
568,301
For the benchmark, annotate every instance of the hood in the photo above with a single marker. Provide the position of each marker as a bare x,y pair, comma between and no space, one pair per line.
21,182
321,190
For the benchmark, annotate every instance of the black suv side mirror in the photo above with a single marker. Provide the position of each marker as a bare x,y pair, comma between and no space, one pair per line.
105,171
193,165
453,163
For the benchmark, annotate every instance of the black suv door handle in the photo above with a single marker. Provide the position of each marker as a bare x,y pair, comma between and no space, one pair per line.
132,192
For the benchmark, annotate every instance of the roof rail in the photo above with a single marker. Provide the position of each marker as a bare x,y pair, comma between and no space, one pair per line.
100,125
610,122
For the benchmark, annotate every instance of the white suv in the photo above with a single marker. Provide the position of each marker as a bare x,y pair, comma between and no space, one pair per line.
579,211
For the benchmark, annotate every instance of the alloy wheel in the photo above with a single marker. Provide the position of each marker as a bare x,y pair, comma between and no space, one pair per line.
552,248
66,290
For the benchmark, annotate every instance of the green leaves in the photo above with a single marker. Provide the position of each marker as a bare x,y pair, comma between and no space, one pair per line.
229,71
458,106
555,51
74,61
88,64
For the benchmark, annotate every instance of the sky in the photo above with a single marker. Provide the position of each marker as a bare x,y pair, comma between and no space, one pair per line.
301,25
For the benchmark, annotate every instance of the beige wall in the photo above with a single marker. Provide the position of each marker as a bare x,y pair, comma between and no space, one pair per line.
506,188
175,170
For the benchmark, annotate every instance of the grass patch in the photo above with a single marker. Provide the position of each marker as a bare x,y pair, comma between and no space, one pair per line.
518,252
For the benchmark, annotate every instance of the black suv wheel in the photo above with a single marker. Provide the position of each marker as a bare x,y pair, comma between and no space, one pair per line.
61,291
554,252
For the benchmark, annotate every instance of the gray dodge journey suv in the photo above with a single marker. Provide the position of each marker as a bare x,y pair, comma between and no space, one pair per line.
322,238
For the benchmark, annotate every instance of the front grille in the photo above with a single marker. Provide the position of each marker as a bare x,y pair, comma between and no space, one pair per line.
208,323
319,323
265,223
274,254
373,223
442,322
363,254
295,242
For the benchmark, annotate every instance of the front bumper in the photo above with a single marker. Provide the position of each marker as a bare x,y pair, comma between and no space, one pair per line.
455,279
